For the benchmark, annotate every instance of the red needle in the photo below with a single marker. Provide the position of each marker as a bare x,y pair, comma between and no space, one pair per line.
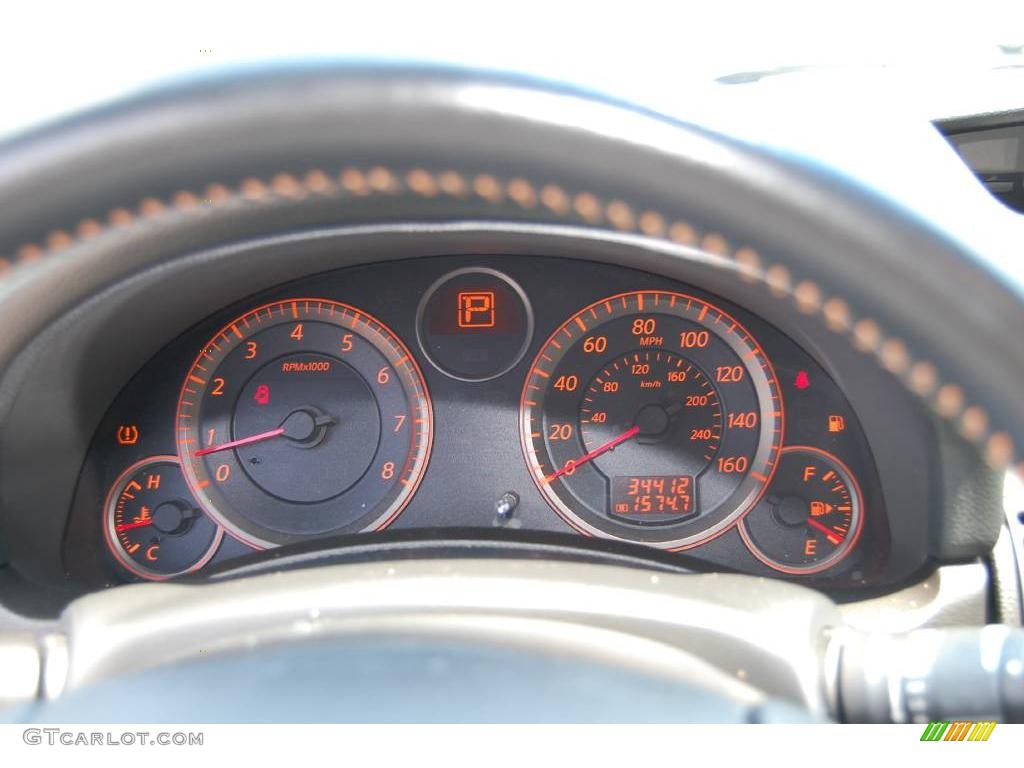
829,533
244,441
573,463
129,526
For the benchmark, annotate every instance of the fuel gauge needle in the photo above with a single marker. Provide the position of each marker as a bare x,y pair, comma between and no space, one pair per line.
831,535
571,465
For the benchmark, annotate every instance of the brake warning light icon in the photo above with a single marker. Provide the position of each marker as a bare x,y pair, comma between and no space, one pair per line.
476,309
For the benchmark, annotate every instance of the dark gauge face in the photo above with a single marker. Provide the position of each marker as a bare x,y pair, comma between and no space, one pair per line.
651,416
303,418
474,324
153,526
811,516
678,431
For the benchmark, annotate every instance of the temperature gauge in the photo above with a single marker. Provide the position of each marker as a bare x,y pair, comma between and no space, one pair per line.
153,527
810,517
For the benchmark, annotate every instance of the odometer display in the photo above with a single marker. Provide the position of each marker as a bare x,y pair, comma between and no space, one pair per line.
654,499
303,418
651,416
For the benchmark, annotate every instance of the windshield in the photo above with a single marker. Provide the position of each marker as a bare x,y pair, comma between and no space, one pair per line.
59,58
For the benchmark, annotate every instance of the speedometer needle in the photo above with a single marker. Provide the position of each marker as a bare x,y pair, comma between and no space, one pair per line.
571,465
829,533
240,442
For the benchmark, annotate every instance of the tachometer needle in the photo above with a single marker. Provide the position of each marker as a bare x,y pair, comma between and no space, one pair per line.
242,441
571,465
831,535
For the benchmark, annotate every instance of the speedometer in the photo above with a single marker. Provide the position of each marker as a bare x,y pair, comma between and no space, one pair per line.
651,416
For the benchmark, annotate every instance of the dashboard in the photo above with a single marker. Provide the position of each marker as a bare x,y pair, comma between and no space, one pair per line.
546,374
510,397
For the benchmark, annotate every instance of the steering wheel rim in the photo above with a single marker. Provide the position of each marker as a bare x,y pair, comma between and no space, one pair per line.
502,148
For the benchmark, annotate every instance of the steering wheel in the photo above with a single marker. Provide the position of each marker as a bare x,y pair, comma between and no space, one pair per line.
192,169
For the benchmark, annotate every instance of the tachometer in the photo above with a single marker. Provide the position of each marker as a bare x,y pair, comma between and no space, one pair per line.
651,416
303,418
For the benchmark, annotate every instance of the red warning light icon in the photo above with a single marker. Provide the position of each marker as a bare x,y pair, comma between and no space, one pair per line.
803,381
262,396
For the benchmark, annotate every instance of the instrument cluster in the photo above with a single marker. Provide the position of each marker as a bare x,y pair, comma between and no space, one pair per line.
513,395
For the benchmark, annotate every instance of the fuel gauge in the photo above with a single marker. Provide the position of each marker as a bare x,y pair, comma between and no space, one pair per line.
153,527
810,517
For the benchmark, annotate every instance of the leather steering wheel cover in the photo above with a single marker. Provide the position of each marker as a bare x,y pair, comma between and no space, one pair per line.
88,202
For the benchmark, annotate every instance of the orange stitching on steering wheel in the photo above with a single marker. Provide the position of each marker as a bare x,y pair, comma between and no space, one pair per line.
865,334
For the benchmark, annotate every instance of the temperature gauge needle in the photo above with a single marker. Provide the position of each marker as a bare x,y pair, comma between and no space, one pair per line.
573,463
829,533
240,442
129,526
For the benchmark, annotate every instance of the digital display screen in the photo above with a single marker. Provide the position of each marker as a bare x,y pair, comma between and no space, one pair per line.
476,309
657,498
475,324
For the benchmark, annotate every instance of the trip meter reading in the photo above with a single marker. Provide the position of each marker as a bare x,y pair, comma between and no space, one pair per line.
651,416
652,499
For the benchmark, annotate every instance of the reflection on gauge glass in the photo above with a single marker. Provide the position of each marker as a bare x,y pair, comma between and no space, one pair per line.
303,418
474,324
153,526
652,417
811,516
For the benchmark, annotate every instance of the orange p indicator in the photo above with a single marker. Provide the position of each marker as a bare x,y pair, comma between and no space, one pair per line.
476,309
